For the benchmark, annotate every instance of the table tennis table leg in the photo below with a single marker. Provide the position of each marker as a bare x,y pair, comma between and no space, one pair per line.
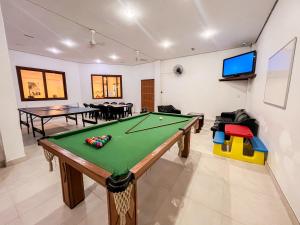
27,121
24,123
43,129
20,119
83,123
32,127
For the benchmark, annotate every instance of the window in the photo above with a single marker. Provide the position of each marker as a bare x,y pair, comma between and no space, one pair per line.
39,84
106,86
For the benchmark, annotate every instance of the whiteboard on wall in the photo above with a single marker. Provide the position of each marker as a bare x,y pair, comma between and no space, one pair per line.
279,73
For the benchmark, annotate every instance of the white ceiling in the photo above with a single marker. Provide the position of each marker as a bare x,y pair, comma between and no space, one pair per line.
179,21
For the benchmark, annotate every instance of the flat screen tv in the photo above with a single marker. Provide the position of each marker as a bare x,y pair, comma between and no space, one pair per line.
239,65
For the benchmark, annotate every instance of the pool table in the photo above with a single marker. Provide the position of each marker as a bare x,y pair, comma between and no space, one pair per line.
137,143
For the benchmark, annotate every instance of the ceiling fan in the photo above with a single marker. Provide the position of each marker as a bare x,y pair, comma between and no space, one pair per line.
93,43
138,58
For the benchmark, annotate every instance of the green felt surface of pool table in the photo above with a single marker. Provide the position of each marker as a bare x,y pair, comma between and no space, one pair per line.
124,150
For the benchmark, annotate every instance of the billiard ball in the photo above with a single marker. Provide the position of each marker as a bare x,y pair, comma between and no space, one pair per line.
161,118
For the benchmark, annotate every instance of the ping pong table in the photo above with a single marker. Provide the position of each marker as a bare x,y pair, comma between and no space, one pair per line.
45,114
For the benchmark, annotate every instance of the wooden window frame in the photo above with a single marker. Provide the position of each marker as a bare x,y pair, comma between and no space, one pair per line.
43,71
99,75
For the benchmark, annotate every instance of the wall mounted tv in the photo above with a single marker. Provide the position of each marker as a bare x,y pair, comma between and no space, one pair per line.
239,65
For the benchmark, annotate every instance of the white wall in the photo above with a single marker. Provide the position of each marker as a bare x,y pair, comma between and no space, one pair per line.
201,77
198,89
131,81
9,123
279,128
29,60
78,78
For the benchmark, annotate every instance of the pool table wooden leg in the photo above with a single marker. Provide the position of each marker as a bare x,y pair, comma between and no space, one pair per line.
180,145
184,148
131,215
72,184
197,126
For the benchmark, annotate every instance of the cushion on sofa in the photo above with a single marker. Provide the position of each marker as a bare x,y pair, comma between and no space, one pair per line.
241,117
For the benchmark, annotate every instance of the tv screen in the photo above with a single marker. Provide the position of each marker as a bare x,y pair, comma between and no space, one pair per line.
239,65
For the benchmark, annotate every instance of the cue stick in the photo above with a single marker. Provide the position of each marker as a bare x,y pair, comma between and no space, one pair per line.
156,127
127,132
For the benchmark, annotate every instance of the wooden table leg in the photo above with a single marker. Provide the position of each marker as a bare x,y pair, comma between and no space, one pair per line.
197,127
184,150
32,126
180,144
122,200
72,184
199,124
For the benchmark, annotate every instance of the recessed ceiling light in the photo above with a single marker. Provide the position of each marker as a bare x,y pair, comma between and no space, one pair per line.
208,33
54,50
129,13
114,57
166,44
69,43
98,61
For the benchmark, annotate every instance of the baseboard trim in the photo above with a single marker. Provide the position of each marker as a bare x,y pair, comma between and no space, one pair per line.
16,161
283,198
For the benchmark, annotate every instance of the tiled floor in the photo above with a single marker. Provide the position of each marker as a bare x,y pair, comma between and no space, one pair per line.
202,190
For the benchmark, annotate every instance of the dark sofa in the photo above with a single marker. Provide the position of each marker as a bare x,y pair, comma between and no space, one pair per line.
239,117
168,109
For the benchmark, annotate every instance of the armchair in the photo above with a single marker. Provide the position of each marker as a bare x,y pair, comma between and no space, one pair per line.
168,109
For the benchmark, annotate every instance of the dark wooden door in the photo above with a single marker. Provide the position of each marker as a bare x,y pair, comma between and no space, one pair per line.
147,95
